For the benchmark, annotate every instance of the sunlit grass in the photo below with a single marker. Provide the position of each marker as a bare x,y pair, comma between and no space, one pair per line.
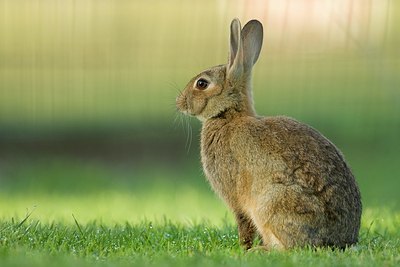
68,213
31,242
181,204
52,189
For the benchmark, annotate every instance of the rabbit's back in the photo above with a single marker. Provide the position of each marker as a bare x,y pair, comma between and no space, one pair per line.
285,175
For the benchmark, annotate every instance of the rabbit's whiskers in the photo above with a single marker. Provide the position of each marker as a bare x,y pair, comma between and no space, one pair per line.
189,134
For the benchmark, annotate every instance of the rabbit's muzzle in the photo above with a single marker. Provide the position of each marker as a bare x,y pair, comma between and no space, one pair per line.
181,104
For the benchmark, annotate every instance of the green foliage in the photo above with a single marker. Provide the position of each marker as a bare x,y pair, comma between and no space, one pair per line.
103,64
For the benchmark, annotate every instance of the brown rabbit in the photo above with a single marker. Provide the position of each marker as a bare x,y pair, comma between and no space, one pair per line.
282,179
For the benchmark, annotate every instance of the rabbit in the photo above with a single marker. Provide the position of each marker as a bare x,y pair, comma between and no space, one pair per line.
283,180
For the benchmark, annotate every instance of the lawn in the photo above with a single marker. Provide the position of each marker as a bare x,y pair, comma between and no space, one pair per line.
111,216
32,243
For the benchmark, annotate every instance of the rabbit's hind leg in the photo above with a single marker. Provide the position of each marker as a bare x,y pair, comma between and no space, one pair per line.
246,229
270,240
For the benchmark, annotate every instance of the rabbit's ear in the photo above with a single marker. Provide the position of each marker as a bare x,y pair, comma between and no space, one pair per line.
252,38
245,47
235,61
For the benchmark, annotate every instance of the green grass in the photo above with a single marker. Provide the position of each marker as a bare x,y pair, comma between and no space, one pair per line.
56,188
60,212
32,243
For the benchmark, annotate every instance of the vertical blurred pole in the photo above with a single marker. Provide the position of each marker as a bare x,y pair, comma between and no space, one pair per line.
285,24
391,78
55,45
348,24
330,25
367,13
3,47
387,19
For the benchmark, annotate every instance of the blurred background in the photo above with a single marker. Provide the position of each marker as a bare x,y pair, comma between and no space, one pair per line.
88,124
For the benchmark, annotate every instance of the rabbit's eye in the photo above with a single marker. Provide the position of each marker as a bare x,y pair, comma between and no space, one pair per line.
202,84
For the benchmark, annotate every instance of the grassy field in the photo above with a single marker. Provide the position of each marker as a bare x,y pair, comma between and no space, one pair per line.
67,213
32,243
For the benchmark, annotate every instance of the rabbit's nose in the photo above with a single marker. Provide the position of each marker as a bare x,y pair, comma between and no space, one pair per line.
181,104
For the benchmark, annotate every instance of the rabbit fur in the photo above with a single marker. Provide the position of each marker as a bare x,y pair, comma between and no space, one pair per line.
283,180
